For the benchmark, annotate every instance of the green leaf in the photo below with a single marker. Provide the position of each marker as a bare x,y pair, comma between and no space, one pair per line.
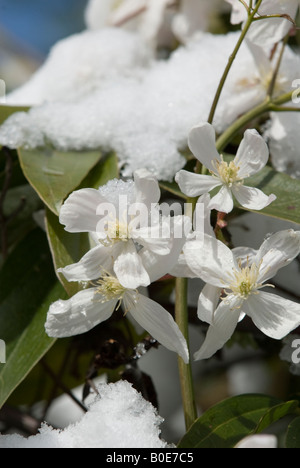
287,190
226,423
28,287
68,248
293,434
7,111
276,413
54,174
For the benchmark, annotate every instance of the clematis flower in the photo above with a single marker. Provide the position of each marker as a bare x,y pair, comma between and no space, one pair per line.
144,16
252,156
112,215
104,295
258,441
242,280
269,31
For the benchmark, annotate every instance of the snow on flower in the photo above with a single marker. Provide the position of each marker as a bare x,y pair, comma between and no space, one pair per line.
141,109
269,31
104,295
252,156
242,280
119,417
124,220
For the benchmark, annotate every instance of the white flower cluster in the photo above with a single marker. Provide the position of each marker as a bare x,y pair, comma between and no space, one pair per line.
129,254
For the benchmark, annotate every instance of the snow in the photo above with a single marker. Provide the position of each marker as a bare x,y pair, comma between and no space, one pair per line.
118,418
99,89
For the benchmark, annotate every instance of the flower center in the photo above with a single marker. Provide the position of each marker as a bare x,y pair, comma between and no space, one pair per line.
109,288
245,281
228,172
116,231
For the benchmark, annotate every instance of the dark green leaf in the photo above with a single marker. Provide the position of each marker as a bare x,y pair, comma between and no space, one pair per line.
276,413
287,190
55,174
68,248
293,434
226,423
28,287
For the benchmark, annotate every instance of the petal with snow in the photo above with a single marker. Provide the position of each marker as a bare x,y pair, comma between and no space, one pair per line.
158,322
202,143
224,324
129,268
79,212
275,316
252,198
193,185
77,315
252,155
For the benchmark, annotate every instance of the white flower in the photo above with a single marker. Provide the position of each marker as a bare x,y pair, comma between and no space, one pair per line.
144,16
269,31
194,17
284,141
242,281
201,225
258,441
252,156
92,306
250,79
124,221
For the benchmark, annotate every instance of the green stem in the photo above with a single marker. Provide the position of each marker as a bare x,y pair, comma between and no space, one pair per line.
230,62
185,371
266,106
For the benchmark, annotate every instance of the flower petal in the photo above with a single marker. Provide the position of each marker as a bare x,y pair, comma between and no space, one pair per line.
202,143
276,252
259,441
193,185
275,316
129,268
146,187
78,314
156,265
239,12
208,302
223,201
252,155
79,212
252,198
92,264
158,322
225,321
211,261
